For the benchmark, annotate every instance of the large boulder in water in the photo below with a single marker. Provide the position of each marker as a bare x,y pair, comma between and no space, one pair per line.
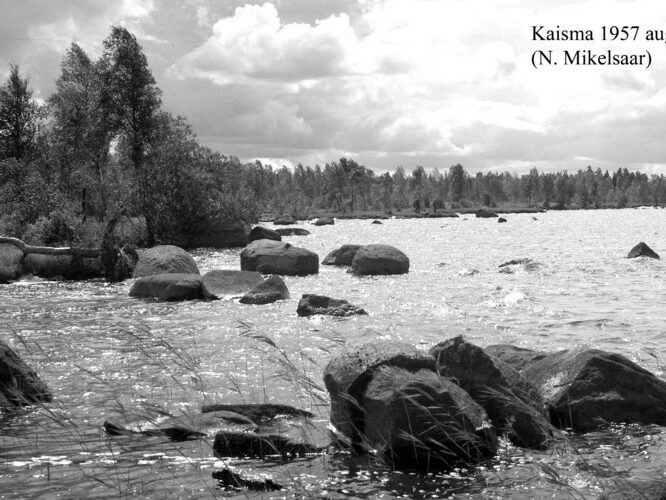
221,282
276,257
586,388
419,420
164,259
263,233
268,291
311,304
346,377
379,259
19,384
517,357
170,286
342,256
512,403
11,257
227,233
642,250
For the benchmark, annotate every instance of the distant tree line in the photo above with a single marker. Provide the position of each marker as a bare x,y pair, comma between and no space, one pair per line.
102,145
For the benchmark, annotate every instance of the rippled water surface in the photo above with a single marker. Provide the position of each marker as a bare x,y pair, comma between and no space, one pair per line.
108,357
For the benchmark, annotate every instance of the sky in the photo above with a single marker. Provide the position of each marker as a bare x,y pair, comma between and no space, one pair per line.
385,82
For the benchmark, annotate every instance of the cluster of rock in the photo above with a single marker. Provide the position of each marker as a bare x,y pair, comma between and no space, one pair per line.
369,259
168,272
239,431
444,407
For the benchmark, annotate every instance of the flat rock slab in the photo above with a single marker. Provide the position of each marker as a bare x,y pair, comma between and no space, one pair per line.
221,282
260,412
379,260
342,256
277,257
171,286
259,445
324,221
263,233
164,259
268,291
311,304
284,220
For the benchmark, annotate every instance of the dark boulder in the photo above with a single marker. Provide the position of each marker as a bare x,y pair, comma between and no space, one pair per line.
642,250
586,388
164,259
342,256
19,384
501,219
523,264
276,257
268,291
346,377
311,304
292,231
11,258
227,233
376,222
260,412
221,282
512,403
484,213
170,286
324,221
419,420
379,260
284,220
263,233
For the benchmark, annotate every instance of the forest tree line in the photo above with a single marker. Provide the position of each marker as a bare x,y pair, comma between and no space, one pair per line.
102,145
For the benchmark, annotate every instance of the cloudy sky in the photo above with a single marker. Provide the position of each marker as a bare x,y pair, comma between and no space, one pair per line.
386,82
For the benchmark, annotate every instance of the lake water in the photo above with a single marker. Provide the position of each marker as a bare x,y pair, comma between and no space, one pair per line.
109,357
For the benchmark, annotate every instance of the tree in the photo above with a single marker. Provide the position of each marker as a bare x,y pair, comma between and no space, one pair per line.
130,101
457,182
19,117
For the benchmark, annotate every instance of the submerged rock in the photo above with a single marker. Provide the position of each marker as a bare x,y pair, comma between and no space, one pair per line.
379,260
276,257
260,412
524,264
221,282
171,286
501,219
237,481
268,291
164,259
376,222
311,304
324,221
512,403
342,256
292,231
256,445
284,220
642,250
19,384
